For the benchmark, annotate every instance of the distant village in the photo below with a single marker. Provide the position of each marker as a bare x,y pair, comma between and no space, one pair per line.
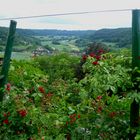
41,51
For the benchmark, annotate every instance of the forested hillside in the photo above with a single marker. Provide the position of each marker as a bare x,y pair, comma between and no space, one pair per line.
121,36
20,39
53,32
29,38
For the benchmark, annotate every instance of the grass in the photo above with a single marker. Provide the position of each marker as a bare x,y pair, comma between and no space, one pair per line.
21,55
65,44
111,44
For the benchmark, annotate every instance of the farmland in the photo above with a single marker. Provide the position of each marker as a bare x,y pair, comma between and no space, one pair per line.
27,40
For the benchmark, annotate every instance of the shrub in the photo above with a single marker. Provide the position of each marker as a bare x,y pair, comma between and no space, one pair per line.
59,66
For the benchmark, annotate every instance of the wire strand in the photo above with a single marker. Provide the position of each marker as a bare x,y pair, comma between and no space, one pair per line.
65,14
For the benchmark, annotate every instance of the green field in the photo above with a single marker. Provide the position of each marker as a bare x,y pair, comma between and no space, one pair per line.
66,44
54,44
19,55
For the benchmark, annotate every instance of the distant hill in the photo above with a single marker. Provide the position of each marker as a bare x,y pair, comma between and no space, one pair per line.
121,37
52,32
26,36
21,37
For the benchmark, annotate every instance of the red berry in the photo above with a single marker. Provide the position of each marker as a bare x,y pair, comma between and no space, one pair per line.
23,113
49,94
101,51
5,115
98,57
99,97
41,89
79,116
6,121
72,116
8,87
112,114
99,109
72,120
95,63
84,57
91,54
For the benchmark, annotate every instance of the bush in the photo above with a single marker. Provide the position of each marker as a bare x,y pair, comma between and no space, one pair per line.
59,66
25,74
96,107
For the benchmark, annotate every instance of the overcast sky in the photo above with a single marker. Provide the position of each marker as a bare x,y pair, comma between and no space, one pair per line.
15,8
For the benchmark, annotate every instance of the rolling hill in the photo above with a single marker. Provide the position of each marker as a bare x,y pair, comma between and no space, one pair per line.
26,38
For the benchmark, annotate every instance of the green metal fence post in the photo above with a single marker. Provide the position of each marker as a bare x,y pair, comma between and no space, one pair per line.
7,56
134,110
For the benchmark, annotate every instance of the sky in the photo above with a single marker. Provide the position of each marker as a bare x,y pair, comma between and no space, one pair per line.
94,21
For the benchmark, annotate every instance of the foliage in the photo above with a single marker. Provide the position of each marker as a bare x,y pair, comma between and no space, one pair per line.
25,74
59,66
20,39
82,42
112,74
42,104
121,36
96,48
